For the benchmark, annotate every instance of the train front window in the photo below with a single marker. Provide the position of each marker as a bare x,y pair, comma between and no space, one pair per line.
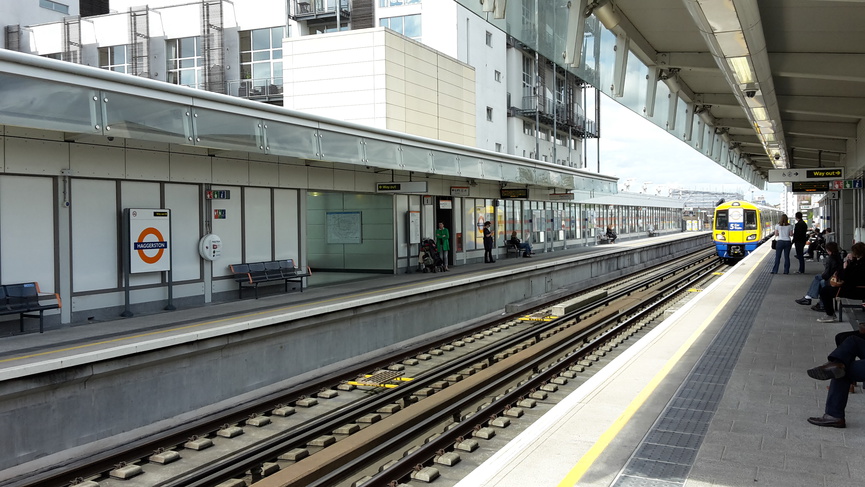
722,222
750,219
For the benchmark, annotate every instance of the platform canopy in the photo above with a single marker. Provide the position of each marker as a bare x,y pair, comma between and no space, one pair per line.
754,85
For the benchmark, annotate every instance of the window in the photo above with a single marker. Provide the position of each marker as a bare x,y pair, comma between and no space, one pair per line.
498,76
408,25
528,73
721,220
750,219
498,147
261,59
397,3
489,38
113,58
57,7
185,62
489,114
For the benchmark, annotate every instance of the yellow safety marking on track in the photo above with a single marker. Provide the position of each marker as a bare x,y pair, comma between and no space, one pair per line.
694,290
608,436
368,384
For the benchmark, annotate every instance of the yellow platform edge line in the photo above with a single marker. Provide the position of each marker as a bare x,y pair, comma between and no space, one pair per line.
584,463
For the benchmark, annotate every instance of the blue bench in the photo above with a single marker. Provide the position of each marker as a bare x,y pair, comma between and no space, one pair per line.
251,275
25,300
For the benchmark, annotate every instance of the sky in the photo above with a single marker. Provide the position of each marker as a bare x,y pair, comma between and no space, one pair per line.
632,147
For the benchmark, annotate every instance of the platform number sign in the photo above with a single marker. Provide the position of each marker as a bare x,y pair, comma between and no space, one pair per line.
149,239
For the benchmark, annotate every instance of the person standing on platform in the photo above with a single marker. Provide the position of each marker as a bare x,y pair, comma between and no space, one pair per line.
443,242
842,370
800,237
784,240
488,243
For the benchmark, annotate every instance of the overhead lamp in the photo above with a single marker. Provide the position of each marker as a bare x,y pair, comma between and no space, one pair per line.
760,113
609,17
742,69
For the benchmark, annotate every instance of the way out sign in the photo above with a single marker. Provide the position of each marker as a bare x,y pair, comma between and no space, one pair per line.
149,240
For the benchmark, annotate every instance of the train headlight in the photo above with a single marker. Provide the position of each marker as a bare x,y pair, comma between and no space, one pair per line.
751,237
720,236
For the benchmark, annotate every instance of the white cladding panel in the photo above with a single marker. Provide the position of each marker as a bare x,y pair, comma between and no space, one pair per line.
95,249
228,229
257,224
286,237
97,161
184,202
141,195
27,245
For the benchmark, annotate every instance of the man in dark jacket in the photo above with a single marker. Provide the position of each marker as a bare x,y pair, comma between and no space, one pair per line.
800,237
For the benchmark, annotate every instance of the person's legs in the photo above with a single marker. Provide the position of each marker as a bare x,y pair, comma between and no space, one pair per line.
800,256
445,259
814,289
778,251
787,245
827,298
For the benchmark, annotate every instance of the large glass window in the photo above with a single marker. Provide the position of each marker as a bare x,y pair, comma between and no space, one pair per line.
407,25
261,61
721,220
185,62
114,58
57,7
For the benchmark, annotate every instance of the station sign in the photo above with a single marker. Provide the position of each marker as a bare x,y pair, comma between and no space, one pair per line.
561,196
459,190
402,187
149,239
514,193
852,184
791,175
811,186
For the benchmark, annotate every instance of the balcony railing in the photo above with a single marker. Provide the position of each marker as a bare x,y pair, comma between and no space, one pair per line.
316,8
255,88
563,115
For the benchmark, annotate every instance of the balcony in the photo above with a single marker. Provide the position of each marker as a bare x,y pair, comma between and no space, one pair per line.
564,115
265,89
320,9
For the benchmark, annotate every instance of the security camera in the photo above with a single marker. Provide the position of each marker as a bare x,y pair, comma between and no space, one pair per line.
777,157
750,93
110,139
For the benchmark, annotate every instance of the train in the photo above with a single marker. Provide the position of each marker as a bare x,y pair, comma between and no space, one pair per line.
739,227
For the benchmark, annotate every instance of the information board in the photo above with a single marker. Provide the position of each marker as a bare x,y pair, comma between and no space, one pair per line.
150,240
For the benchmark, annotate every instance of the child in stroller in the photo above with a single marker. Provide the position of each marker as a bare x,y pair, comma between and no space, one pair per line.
429,259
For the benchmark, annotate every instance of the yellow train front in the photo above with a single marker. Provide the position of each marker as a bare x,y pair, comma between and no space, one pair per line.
740,227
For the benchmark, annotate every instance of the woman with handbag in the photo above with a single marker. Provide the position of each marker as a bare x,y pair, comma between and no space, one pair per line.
850,279
783,243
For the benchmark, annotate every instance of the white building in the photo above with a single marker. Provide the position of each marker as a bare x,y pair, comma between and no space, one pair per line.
509,99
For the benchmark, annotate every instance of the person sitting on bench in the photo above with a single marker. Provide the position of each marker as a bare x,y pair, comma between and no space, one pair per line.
611,235
524,246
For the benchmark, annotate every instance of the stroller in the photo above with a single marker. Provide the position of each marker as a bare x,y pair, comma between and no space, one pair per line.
429,259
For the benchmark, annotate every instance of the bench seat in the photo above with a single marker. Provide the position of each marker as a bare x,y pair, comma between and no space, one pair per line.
253,274
26,300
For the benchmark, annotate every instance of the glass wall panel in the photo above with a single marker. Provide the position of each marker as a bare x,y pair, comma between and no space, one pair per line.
31,102
339,147
492,170
383,154
134,117
228,131
291,140
416,159
471,167
445,163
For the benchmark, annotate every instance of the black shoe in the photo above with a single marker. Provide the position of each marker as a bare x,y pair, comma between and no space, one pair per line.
830,421
818,307
829,370
804,301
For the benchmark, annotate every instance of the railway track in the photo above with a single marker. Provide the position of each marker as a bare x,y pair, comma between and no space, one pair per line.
406,417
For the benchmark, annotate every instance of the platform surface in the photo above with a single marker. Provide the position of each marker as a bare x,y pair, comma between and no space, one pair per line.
715,396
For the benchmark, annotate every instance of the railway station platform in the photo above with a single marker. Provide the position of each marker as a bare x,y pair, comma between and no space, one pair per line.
716,395
77,390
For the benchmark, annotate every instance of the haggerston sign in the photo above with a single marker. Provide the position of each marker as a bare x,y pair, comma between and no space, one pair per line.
150,237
